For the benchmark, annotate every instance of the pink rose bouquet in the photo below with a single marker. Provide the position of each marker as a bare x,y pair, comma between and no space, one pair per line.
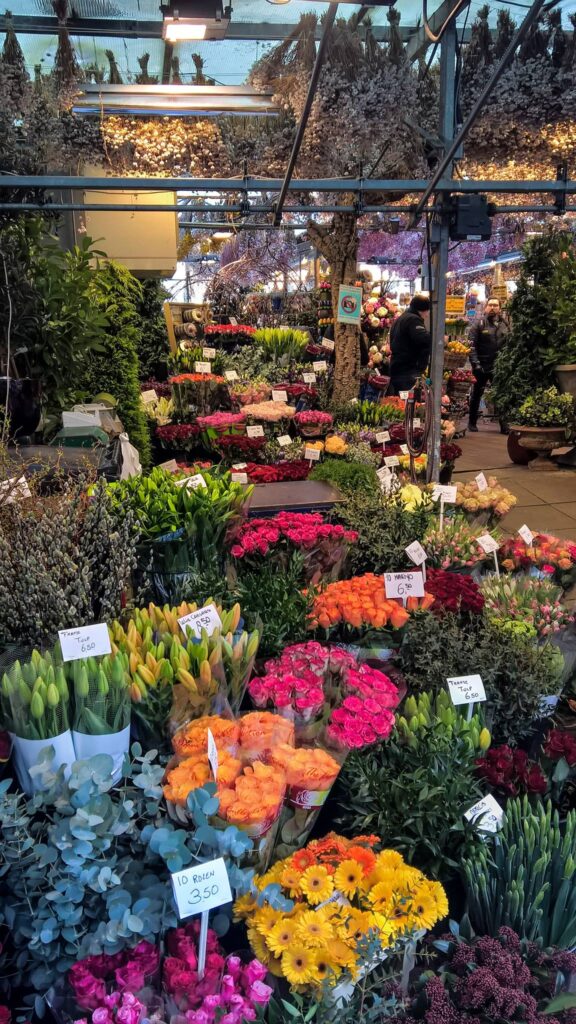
322,545
312,423
221,420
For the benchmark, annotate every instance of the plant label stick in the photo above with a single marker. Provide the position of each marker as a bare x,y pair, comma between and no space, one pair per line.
201,887
527,535
255,431
312,455
213,755
200,367
239,478
209,353
381,437
204,618
490,546
481,482
416,554
146,397
309,378
489,812
403,584
279,396
231,375
391,461
320,366
284,440
84,642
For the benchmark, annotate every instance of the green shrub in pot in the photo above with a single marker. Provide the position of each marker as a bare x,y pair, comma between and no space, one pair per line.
545,407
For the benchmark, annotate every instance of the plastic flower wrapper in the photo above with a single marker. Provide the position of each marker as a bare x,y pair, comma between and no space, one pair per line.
484,507
456,546
260,733
102,706
334,894
310,774
554,558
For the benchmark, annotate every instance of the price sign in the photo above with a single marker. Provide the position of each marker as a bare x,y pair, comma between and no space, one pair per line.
239,478
488,544
489,812
386,478
231,375
391,460
445,491
417,422
404,584
148,396
309,378
404,395
203,367
209,353
526,534
201,888
404,449
204,618
238,466
256,431
481,482
279,396
328,344
84,642
466,689
192,482
213,754
320,366
312,454
284,440
382,436
171,466
416,552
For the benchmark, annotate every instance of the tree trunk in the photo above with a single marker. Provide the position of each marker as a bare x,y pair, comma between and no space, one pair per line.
338,243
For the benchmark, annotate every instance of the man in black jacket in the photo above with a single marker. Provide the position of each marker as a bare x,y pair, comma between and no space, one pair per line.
487,337
410,345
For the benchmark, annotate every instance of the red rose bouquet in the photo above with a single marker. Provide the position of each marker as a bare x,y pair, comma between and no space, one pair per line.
453,592
510,772
296,470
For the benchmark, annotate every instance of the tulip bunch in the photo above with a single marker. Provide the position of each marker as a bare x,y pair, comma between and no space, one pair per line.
454,547
101,694
525,599
425,714
35,698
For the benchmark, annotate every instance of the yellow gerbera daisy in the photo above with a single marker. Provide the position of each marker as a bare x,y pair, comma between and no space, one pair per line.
341,955
297,966
313,929
437,892
259,947
290,880
274,965
243,907
265,918
423,910
381,923
348,876
381,894
389,859
281,935
316,884
324,970
357,924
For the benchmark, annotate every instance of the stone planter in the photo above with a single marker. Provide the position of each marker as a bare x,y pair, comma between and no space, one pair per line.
541,440
566,374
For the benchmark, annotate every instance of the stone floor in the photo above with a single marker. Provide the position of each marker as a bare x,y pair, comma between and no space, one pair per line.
546,501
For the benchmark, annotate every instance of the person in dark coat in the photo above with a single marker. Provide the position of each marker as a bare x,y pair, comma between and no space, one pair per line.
487,337
410,345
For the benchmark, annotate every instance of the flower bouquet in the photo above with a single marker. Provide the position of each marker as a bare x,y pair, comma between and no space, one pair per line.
253,393
218,425
323,547
525,599
235,448
483,507
455,547
102,707
454,593
269,413
335,895
199,394
313,423
550,556
178,436
510,772
358,609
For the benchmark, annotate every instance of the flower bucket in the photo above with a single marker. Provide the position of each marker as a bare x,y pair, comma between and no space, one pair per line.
165,563
26,754
313,430
116,744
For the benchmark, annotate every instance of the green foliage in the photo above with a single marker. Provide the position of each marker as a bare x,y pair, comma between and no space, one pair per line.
350,477
277,601
153,346
281,344
546,407
366,413
515,671
412,791
384,529
525,878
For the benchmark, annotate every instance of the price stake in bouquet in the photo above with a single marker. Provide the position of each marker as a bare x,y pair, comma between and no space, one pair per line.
489,812
255,431
328,344
312,455
386,477
481,482
209,353
467,690
231,375
309,378
527,535
320,366
284,440
490,546
382,437
200,367
447,494
416,554
204,618
84,642
404,585
279,396
198,890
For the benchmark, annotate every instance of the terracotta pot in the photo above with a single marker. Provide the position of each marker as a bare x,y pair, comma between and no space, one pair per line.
541,440
566,374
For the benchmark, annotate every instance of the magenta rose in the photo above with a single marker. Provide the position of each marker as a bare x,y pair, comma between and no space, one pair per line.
259,993
130,977
88,990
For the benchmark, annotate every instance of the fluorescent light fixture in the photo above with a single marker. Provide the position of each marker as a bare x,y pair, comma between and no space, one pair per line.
178,30
221,236
94,100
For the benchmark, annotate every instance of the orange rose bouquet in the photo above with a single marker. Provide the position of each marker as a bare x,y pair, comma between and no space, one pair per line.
193,737
350,609
261,732
310,774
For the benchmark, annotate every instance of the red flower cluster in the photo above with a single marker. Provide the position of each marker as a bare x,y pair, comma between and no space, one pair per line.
462,376
297,470
313,418
197,378
453,592
298,390
229,329
303,529
172,432
162,388
559,745
129,969
233,444
510,772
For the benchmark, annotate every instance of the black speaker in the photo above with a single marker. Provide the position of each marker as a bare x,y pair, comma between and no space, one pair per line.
470,218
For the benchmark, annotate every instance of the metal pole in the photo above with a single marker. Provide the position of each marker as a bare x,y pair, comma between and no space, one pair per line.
446,162
440,244
330,18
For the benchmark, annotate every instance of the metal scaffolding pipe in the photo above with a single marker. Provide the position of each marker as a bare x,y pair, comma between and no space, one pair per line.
303,122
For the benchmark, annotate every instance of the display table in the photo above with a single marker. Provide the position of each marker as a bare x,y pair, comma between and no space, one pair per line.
293,496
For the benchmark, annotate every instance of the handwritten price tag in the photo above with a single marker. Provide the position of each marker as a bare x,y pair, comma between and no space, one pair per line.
489,811
416,552
148,396
404,449
382,436
328,344
312,454
487,543
231,375
191,483
203,367
309,378
209,353
391,460
320,366
239,466
526,534
386,478
84,642
446,491
481,482
256,431
404,395
279,396
284,440
404,584
201,888
466,689
212,754
417,422
171,466
204,618
239,478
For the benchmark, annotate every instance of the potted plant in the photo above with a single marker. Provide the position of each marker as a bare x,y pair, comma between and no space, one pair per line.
542,423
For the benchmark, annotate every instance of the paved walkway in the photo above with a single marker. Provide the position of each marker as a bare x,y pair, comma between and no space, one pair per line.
546,501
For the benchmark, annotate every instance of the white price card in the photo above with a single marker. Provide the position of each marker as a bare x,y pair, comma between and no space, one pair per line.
487,543
404,395
417,422
416,552
239,478
212,754
204,618
171,466
489,812
481,482
404,449
201,888
84,642
209,353
386,478
191,483
320,366
284,440
312,454
526,534
391,460
466,689
446,491
279,396
239,466
404,584
202,367
309,378
256,431
382,436
148,396
231,375
328,344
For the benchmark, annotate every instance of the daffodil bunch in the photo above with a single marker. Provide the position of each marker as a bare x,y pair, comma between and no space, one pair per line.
334,895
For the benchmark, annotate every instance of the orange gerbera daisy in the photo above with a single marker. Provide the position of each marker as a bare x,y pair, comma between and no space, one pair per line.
364,857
